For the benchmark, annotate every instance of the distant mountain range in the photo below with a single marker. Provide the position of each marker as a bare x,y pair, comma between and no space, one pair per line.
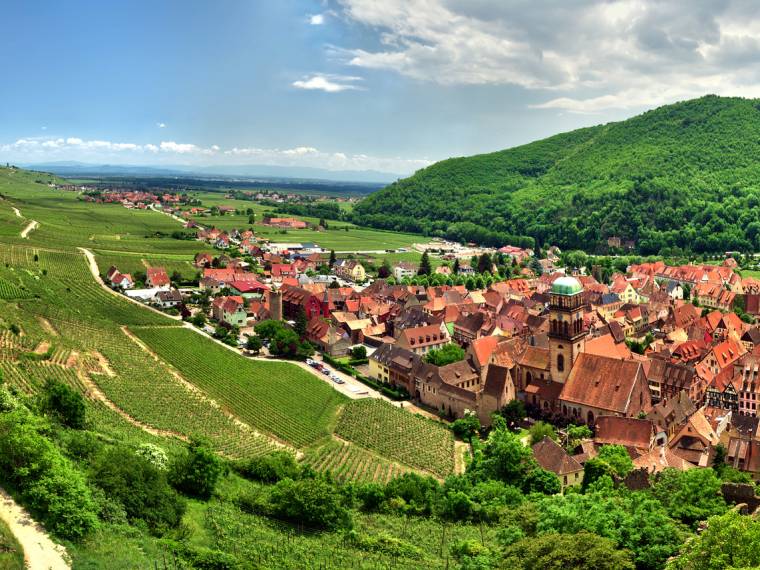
683,177
264,171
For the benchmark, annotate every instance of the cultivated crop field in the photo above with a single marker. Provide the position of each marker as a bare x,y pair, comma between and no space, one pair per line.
82,323
276,397
398,435
348,462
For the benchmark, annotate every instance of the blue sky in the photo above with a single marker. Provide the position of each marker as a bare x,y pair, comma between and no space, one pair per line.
348,84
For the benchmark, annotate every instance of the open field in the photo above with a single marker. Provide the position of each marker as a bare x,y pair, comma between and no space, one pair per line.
274,397
398,435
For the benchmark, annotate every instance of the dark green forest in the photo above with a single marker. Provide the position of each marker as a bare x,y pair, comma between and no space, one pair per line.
681,177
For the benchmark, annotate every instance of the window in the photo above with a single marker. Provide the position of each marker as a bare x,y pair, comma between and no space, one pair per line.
560,362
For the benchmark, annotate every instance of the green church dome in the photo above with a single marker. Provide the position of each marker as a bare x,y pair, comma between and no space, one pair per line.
566,286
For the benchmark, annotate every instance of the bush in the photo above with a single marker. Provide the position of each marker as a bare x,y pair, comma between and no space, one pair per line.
65,404
195,473
141,488
445,355
312,502
270,468
417,493
47,481
155,455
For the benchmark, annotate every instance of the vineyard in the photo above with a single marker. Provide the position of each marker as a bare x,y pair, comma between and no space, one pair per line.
275,397
81,323
348,462
398,435
10,291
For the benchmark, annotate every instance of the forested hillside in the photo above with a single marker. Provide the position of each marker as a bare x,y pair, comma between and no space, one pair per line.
682,176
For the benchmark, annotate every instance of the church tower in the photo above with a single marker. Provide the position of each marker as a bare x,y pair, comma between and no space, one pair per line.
567,335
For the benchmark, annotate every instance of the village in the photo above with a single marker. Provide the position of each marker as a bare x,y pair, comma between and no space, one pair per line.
656,359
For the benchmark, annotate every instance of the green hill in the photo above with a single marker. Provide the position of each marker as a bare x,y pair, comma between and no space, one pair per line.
681,176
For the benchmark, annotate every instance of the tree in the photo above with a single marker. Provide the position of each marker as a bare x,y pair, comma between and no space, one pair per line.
313,502
332,258
730,540
455,267
267,329
385,270
484,263
575,435
140,487
632,520
539,480
251,219
359,352
566,552
254,343
300,323
65,404
617,458
270,468
690,496
425,268
195,473
535,265
466,427
447,354
505,458
539,430
513,413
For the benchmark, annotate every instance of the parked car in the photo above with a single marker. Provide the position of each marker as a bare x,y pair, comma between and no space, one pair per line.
337,379
310,362
325,371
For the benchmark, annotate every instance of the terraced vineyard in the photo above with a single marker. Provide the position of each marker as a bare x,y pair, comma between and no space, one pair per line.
81,322
398,435
275,397
349,462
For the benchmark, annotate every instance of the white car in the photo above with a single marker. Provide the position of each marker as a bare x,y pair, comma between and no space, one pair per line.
337,379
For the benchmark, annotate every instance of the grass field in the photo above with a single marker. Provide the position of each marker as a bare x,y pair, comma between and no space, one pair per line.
11,553
275,397
398,435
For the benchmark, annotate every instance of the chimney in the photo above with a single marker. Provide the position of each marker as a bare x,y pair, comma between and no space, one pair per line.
275,305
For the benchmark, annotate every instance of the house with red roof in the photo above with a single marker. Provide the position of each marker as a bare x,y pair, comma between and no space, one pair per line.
157,277
230,310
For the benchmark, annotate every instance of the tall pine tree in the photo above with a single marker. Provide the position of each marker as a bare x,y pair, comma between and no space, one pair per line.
425,268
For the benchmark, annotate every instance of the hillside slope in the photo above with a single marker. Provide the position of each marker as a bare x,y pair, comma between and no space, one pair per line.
681,176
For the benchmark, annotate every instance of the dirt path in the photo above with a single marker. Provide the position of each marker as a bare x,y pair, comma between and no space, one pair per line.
96,274
40,553
461,449
28,229
16,211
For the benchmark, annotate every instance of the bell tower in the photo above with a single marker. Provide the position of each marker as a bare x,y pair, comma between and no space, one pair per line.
567,335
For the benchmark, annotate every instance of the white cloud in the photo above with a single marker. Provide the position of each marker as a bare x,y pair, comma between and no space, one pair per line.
317,19
313,157
578,55
39,149
161,125
328,83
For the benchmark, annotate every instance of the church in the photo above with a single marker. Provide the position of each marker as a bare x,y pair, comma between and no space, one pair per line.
562,378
